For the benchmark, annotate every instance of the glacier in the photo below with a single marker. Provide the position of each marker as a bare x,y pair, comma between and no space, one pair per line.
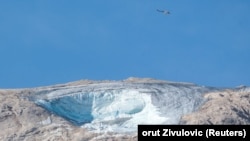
121,105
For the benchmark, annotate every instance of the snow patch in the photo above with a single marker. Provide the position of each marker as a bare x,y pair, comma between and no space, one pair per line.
45,122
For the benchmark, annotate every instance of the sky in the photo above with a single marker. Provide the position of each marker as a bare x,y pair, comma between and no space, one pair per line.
47,42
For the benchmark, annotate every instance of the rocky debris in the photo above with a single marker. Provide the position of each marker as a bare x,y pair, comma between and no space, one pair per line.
224,107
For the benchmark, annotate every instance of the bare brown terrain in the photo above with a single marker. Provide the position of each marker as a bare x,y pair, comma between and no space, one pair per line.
225,107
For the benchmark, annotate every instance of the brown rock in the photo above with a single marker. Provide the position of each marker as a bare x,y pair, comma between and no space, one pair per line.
225,107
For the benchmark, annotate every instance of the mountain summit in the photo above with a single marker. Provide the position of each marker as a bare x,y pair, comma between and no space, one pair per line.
92,110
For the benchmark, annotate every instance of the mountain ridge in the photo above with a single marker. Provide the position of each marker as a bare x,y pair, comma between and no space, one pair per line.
126,102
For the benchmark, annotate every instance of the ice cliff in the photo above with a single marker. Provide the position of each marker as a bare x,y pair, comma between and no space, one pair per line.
121,105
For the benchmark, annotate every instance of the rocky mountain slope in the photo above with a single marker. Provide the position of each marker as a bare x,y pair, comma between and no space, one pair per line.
96,110
230,106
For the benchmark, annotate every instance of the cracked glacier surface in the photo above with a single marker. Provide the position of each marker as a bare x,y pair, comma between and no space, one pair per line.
120,106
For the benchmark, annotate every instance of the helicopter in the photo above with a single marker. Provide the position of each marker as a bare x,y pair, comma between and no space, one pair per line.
166,12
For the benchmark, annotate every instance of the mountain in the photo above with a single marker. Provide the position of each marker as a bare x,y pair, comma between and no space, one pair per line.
111,110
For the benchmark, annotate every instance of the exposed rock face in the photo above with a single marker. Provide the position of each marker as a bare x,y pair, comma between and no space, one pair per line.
22,119
224,107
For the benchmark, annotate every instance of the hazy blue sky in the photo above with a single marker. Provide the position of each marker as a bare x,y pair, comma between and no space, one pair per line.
45,42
